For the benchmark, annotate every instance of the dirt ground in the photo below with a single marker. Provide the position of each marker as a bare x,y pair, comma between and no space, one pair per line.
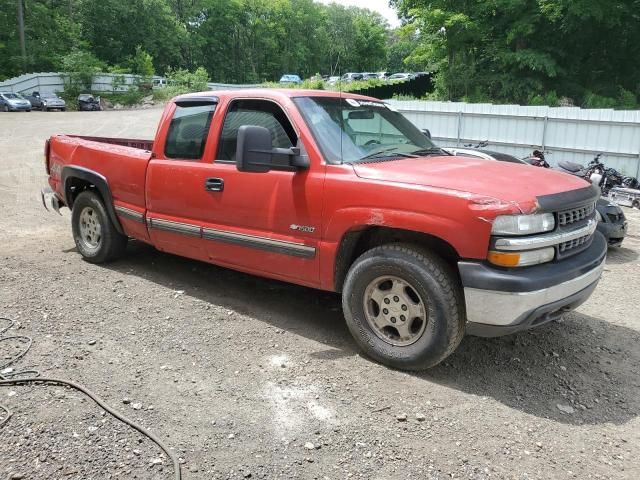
252,378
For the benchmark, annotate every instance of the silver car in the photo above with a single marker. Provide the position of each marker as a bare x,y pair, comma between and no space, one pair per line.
50,101
13,102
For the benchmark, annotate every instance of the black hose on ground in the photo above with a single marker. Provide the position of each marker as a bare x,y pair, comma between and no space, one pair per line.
14,378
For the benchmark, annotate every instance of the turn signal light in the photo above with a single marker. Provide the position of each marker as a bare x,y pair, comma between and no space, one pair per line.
504,259
521,259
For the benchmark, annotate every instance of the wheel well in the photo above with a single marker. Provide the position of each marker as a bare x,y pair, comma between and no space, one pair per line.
356,243
75,186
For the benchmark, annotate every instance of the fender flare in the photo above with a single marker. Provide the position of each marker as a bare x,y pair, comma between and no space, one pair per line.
99,181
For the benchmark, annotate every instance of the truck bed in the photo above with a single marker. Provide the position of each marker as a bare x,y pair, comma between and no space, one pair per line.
124,142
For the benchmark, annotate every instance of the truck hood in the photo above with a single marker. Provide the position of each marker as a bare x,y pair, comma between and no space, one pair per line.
507,182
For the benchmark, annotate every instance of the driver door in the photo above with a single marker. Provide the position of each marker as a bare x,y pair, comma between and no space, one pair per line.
267,223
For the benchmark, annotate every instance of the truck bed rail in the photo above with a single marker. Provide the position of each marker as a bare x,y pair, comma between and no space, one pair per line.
125,142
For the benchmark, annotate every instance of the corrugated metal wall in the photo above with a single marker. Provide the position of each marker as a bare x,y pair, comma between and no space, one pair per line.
53,82
570,134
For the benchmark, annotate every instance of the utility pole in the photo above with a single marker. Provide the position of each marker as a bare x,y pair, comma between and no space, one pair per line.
23,48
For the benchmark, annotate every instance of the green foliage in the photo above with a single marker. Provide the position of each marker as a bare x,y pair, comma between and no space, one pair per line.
79,68
192,81
503,51
142,63
624,100
235,41
549,99
516,51
182,81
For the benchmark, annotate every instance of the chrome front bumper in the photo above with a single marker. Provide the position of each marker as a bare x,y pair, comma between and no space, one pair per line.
504,309
501,301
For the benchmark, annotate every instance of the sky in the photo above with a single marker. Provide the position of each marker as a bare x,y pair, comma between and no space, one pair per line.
380,6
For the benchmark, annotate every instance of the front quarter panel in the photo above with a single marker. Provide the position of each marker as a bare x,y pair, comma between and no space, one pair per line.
462,220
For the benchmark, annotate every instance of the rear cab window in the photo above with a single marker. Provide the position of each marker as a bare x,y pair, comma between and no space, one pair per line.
188,131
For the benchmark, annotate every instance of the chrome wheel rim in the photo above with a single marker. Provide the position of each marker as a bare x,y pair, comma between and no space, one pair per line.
90,229
395,311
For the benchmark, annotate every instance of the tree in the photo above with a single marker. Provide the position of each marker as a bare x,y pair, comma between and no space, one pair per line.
80,67
142,63
513,50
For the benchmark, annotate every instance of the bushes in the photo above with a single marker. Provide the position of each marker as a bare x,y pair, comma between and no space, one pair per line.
182,81
549,99
625,100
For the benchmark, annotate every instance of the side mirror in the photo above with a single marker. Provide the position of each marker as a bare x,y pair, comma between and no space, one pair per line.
255,152
427,133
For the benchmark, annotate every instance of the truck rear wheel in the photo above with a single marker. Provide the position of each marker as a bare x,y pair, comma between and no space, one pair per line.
403,306
96,237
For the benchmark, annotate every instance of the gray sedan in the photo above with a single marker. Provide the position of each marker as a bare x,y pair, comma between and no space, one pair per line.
12,102
47,101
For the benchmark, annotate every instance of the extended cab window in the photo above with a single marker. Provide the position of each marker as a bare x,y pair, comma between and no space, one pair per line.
188,132
259,113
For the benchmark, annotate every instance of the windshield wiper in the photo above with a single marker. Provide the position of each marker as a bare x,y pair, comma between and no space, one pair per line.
385,153
431,151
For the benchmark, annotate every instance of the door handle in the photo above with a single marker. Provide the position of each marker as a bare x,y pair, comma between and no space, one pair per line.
214,184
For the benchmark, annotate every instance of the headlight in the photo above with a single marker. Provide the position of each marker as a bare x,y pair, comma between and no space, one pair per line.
521,259
523,224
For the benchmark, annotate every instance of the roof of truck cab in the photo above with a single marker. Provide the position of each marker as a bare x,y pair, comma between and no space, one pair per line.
274,93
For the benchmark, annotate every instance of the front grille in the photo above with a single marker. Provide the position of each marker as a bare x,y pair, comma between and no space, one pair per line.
566,247
569,217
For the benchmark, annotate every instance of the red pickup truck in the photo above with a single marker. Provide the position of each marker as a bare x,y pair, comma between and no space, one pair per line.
341,193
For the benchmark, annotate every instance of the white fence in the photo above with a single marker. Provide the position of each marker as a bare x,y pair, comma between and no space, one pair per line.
570,134
53,82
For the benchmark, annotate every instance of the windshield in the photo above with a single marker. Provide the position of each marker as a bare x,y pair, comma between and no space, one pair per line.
11,96
349,130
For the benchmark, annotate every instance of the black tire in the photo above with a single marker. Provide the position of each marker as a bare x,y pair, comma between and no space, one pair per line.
636,204
5,108
436,285
29,110
109,243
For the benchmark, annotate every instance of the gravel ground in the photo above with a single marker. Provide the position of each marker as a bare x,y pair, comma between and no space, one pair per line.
252,378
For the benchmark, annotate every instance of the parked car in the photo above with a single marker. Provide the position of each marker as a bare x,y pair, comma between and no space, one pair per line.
13,102
612,222
351,77
159,82
369,76
290,79
333,80
401,76
87,102
311,188
47,101
383,75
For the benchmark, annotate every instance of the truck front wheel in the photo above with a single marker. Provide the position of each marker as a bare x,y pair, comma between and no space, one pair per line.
96,237
404,306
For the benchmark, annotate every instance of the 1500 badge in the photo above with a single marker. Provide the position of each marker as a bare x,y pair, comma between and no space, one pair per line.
302,228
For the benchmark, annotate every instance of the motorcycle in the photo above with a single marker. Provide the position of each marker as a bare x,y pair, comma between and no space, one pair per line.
596,172
631,182
537,159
